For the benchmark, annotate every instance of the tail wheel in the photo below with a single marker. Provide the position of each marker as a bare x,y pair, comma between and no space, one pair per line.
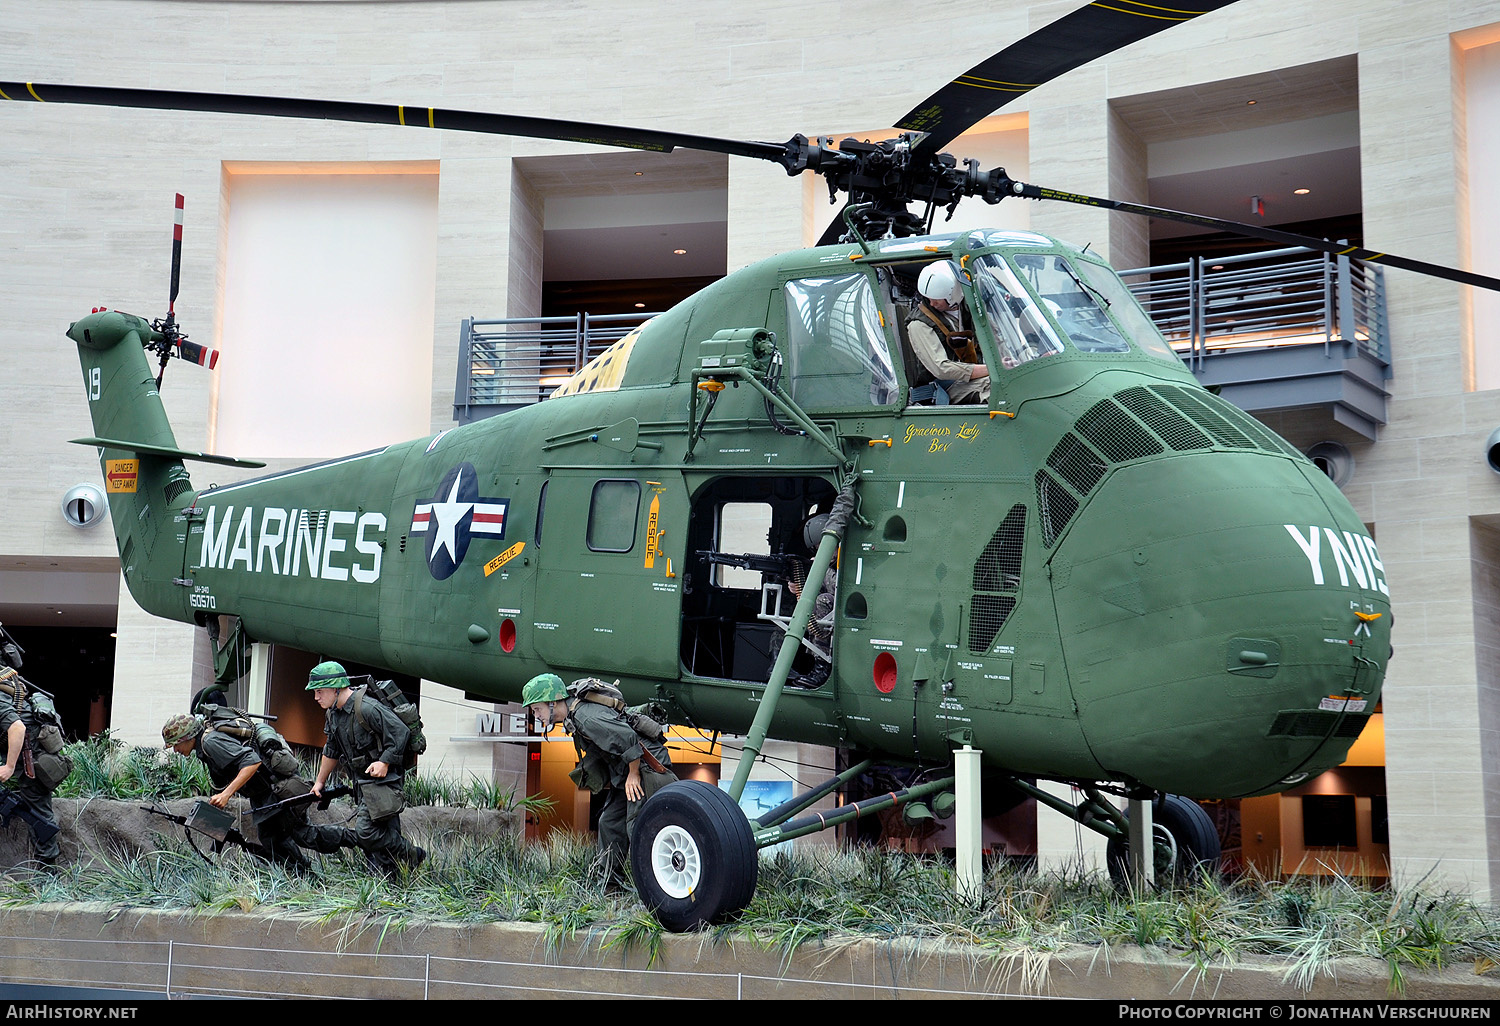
693,855
1186,843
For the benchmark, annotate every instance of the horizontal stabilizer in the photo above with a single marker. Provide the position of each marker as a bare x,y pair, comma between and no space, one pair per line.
161,450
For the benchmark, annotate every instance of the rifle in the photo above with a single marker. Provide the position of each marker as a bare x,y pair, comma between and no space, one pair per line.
11,805
210,821
304,799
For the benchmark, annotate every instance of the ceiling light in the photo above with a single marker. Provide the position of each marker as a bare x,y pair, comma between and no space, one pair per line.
640,306
680,252
1250,103
1301,192
639,173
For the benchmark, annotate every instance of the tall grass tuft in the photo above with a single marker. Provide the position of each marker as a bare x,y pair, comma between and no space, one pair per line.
816,895
104,768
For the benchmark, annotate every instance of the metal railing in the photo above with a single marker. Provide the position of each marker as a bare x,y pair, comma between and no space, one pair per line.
1205,307
1209,306
517,361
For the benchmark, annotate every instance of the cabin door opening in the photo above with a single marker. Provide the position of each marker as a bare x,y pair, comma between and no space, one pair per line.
747,559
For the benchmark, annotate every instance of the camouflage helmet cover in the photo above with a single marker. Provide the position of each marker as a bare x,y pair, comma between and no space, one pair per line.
544,687
181,727
327,675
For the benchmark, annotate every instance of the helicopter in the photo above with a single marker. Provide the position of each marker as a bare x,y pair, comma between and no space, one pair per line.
1146,577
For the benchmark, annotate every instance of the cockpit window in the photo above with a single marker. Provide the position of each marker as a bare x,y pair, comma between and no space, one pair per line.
835,349
1077,306
1021,332
1116,296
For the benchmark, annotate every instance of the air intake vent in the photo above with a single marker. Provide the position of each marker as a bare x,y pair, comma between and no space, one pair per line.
1056,506
999,566
1175,429
1077,464
989,615
1195,406
1116,433
1316,723
998,571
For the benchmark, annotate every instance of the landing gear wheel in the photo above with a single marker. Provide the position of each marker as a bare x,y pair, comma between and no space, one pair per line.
693,856
1186,844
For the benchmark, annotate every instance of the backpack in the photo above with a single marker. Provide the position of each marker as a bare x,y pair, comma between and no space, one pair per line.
50,765
591,689
390,695
272,748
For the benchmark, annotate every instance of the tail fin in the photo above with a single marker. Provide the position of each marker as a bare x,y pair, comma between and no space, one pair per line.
144,478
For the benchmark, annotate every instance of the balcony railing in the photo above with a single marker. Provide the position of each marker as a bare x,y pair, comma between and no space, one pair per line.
513,362
1287,328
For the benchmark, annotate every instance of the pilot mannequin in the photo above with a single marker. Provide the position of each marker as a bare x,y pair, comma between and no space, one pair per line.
941,338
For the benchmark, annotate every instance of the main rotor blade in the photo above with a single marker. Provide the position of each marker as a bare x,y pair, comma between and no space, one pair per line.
1260,232
1071,41
388,114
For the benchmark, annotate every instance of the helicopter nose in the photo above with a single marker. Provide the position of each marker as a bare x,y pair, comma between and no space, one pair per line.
1225,622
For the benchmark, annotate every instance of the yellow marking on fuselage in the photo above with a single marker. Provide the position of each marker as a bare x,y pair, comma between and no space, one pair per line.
603,372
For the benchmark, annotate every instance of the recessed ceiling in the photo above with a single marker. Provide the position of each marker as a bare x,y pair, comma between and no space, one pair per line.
1288,94
631,251
1282,99
38,591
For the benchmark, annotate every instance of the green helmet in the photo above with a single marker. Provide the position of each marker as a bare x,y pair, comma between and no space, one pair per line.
544,687
327,675
181,727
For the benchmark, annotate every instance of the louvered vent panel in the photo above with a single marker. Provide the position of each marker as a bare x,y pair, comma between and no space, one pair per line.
176,488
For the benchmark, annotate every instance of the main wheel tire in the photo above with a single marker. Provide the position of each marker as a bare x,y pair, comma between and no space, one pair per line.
693,856
1187,844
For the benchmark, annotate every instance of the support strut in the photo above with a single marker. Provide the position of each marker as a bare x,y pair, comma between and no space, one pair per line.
833,531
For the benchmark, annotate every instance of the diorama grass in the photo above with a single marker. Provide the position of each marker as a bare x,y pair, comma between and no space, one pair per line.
823,894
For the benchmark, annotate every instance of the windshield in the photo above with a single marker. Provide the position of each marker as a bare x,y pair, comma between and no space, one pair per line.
1021,332
1115,294
1078,307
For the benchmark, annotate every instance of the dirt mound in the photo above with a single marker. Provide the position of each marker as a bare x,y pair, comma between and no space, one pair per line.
94,828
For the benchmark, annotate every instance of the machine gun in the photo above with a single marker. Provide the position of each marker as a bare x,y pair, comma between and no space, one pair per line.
210,821
11,805
788,568
304,799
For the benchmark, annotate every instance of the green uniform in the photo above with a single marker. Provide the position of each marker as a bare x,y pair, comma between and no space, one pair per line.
35,800
601,731
376,734
283,834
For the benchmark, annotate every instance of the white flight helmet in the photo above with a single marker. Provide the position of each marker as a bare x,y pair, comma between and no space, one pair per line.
939,280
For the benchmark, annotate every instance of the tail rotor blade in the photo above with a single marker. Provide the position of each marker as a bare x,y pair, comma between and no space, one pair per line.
176,259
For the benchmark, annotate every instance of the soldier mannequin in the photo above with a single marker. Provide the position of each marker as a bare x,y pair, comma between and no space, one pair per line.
605,735
33,795
371,748
235,767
